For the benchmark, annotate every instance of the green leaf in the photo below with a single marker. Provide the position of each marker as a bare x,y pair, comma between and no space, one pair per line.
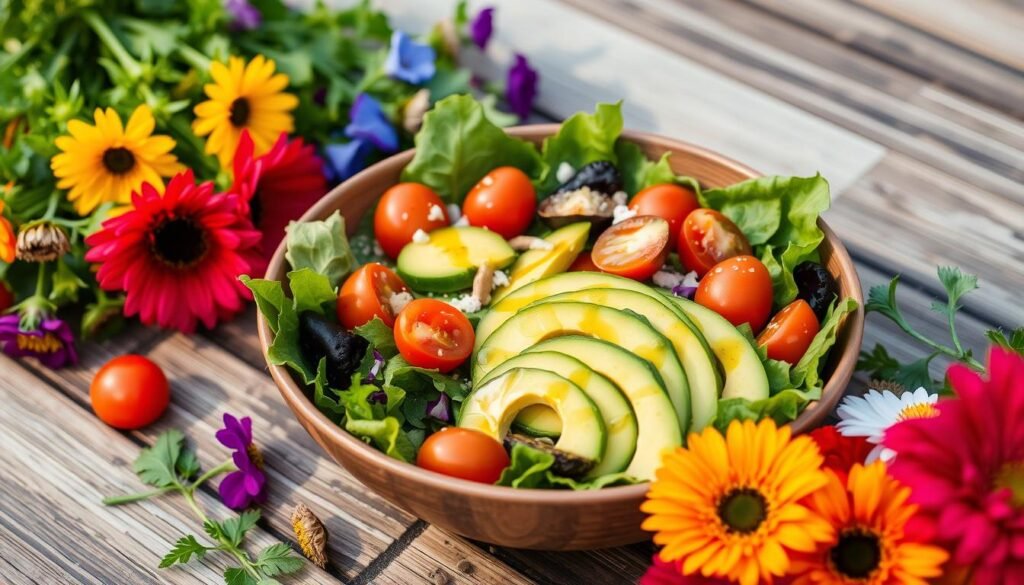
321,246
269,296
238,576
312,291
882,299
807,372
638,172
213,529
915,375
1014,342
183,551
878,363
279,559
156,465
65,283
187,464
458,145
386,435
531,468
380,336
399,372
956,283
235,528
582,139
783,407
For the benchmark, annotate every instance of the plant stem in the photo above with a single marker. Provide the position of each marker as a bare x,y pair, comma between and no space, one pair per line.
194,58
129,498
228,465
948,351
51,206
240,555
110,41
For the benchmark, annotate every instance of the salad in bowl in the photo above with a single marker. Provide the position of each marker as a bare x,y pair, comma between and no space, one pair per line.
558,313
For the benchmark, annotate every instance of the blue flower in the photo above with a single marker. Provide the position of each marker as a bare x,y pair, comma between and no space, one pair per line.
482,27
368,122
345,160
408,60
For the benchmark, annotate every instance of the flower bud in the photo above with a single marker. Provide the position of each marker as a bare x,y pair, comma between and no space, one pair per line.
311,533
42,242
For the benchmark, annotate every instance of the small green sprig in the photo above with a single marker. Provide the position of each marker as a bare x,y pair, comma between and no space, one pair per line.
170,466
957,284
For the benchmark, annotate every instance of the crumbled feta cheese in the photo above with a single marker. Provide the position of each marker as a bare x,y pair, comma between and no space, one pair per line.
499,279
421,237
564,172
462,221
540,244
435,213
454,213
377,250
622,213
398,301
466,303
620,197
667,279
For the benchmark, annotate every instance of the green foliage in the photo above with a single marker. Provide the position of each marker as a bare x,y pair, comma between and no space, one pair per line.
783,408
322,247
183,551
279,559
531,468
582,139
1014,342
158,465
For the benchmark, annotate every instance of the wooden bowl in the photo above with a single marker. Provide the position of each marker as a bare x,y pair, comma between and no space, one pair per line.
524,518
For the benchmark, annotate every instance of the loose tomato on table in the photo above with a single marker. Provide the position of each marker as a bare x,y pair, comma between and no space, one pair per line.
635,248
504,202
739,289
402,210
463,453
129,392
367,294
790,332
669,202
433,334
708,237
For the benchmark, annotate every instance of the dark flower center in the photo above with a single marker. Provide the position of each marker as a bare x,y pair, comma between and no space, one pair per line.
742,510
239,112
255,455
179,241
256,208
118,160
857,554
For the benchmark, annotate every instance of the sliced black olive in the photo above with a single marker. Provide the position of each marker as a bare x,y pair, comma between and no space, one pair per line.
320,338
600,176
816,286
566,464
583,204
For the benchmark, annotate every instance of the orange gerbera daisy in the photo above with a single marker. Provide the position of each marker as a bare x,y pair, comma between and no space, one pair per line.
873,543
730,507
8,243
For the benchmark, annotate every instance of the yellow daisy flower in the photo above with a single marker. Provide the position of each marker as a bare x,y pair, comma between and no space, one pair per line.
108,161
244,97
729,507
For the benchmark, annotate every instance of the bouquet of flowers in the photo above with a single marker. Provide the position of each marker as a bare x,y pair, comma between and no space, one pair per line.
153,152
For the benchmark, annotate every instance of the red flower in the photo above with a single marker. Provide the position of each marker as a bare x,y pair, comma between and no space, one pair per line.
276,188
840,452
178,256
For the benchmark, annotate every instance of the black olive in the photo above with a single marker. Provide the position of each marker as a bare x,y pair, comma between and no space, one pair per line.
816,286
600,176
566,464
320,338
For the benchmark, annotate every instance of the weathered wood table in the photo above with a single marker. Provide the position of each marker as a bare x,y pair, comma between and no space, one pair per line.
911,108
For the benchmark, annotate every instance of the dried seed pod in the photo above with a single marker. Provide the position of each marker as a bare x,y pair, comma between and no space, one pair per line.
482,283
42,242
311,533
414,110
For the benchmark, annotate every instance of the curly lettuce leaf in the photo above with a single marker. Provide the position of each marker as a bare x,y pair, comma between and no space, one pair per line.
385,434
639,172
321,246
458,145
783,408
582,139
531,468
807,372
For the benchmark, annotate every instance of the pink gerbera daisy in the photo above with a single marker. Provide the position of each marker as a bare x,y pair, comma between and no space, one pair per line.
966,468
276,188
177,256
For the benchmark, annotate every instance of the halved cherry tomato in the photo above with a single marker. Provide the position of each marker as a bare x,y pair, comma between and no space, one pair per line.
367,294
669,202
463,453
433,334
635,248
739,289
789,333
584,263
402,210
6,297
708,237
129,392
503,201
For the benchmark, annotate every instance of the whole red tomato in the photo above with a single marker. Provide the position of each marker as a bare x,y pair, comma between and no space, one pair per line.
463,453
402,210
739,289
503,201
129,392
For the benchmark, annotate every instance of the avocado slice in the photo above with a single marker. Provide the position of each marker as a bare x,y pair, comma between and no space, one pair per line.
491,407
616,412
566,244
658,428
448,261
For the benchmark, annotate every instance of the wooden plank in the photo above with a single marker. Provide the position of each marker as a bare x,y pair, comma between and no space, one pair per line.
437,556
987,27
583,60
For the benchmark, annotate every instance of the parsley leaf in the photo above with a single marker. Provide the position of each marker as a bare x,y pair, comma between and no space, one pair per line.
878,363
183,550
1014,342
187,464
235,528
157,465
238,576
279,559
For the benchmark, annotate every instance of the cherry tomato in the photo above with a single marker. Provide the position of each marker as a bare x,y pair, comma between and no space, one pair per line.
669,202
708,237
739,289
402,210
129,392
635,248
789,333
463,453
503,201
6,297
367,294
584,263
433,334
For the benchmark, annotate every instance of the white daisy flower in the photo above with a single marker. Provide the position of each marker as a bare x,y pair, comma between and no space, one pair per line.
870,415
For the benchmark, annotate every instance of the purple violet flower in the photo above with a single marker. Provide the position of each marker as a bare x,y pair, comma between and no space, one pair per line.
345,160
376,369
245,486
481,28
687,286
408,60
521,87
368,122
440,409
244,16
378,397
52,343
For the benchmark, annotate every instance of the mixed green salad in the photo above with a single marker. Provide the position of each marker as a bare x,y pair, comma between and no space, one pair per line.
555,317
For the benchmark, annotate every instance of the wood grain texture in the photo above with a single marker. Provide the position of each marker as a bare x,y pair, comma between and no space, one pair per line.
437,556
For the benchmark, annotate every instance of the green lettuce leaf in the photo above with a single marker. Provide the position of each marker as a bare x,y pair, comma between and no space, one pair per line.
380,336
807,372
638,172
386,434
458,145
321,246
783,407
582,139
531,468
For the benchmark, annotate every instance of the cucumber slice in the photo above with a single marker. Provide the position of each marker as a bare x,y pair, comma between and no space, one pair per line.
449,260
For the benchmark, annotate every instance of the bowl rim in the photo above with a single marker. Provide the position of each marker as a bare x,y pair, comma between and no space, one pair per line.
298,401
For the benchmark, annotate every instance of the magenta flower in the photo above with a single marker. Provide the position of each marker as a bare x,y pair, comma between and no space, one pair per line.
52,342
243,487
521,87
481,28
244,16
